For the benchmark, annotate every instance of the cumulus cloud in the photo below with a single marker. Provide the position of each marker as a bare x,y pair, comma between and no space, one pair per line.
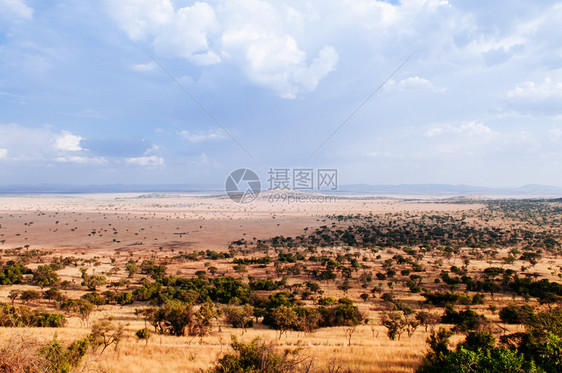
536,97
548,88
173,33
18,9
255,35
28,143
274,60
66,141
43,144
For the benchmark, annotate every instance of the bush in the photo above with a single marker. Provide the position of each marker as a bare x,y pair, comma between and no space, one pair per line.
63,359
12,273
516,314
143,334
22,354
239,316
481,361
258,356
476,354
465,321
26,317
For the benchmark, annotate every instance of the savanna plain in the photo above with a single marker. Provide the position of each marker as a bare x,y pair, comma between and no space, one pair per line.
188,283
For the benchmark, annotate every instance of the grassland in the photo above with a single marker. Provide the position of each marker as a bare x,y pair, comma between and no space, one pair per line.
388,256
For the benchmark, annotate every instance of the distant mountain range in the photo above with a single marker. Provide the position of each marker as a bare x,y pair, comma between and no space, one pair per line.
452,190
435,190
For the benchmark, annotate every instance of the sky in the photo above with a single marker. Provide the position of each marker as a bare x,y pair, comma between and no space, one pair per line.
184,92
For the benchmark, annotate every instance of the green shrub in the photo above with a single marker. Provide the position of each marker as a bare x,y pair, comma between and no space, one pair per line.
258,356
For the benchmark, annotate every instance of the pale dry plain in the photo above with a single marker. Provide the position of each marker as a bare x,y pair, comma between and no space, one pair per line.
122,226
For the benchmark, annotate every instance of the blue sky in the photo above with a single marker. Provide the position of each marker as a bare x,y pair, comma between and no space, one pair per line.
83,102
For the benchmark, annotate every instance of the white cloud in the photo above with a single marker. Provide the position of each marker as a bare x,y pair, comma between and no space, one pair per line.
181,33
467,129
81,159
536,98
256,36
144,67
15,9
19,144
68,142
532,90
148,161
263,40
27,143
414,83
275,61
201,136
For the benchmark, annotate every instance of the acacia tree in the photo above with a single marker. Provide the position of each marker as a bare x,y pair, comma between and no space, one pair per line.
46,276
14,294
106,333
284,318
176,317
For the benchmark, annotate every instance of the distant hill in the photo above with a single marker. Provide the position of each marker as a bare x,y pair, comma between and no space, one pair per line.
531,190
112,188
435,190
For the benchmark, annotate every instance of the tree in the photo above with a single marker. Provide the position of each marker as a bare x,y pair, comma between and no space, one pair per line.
176,317
394,323
516,314
239,316
172,317
106,333
13,295
81,307
46,276
201,321
284,318
427,319
29,295
132,269
94,281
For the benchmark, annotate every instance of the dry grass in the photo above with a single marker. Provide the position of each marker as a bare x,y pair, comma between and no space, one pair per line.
128,228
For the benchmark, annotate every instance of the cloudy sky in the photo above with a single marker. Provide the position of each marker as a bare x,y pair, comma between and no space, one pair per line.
90,90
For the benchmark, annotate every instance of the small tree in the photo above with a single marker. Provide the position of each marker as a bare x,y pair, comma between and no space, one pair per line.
394,323
284,318
94,281
46,276
239,316
30,295
132,269
106,333
14,294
